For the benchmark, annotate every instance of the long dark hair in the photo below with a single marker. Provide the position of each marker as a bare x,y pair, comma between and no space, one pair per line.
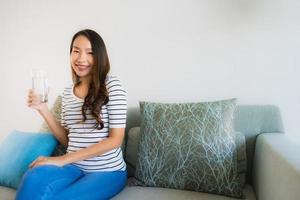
97,93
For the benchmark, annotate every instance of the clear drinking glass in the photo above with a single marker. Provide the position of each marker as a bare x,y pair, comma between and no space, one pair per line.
40,84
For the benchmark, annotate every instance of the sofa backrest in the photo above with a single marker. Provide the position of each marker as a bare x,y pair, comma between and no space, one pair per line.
251,120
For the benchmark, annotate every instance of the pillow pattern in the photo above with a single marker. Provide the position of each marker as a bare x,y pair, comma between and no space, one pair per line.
18,150
189,146
132,153
240,142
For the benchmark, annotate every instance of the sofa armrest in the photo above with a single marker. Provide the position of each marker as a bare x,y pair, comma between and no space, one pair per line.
276,167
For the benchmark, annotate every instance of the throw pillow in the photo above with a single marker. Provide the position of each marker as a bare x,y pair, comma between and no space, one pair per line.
240,142
18,150
189,146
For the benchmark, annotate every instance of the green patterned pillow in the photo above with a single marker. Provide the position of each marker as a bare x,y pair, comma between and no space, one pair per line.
240,143
189,146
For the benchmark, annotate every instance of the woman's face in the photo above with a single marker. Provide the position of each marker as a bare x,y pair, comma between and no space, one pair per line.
82,59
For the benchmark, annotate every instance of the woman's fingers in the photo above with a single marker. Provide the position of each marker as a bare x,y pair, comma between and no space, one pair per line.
33,99
36,162
31,93
33,162
30,96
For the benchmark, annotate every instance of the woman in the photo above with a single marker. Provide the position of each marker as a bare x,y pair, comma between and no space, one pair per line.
92,128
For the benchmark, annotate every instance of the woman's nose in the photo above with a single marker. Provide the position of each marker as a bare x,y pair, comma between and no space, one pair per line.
82,57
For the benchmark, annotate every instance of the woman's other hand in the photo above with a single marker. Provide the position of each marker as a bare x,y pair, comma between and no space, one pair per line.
41,160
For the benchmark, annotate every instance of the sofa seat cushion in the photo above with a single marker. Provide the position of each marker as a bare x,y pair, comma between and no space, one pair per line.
7,193
150,193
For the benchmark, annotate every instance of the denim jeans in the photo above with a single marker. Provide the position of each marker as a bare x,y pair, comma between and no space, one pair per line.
50,182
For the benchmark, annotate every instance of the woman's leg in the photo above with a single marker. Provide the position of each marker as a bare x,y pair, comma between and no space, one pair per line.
42,182
95,186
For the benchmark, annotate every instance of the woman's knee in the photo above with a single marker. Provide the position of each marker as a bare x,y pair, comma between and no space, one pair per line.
34,181
47,173
37,174
40,182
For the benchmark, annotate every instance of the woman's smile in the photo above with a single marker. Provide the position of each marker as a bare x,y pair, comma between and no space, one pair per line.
82,67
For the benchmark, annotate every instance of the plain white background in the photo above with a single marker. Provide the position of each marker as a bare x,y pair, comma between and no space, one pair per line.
162,50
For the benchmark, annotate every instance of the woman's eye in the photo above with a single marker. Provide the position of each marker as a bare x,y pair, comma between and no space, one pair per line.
75,51
90,53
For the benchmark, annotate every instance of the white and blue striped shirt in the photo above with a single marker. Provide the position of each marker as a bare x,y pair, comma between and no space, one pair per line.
84,134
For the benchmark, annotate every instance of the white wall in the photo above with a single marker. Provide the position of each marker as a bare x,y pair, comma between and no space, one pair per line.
162,50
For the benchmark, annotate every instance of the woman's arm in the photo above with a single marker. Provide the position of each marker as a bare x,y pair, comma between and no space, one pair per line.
57,130
115,140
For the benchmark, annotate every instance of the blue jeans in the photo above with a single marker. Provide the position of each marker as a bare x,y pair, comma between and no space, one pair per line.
50,182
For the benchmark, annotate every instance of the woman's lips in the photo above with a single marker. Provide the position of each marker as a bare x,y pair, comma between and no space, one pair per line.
82,67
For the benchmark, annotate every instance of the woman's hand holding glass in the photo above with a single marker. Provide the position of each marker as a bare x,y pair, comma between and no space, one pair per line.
38,95
34,101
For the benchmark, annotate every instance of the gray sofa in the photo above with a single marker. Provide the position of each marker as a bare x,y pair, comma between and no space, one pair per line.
273,162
